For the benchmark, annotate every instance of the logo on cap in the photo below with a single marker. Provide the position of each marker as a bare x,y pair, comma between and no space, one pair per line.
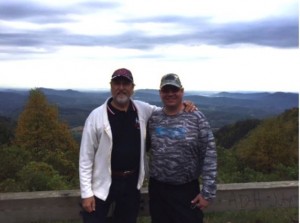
122,72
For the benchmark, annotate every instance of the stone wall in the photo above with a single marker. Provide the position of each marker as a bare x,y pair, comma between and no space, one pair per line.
46,206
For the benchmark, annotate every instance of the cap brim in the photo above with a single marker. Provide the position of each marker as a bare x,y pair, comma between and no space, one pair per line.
170,83
121,76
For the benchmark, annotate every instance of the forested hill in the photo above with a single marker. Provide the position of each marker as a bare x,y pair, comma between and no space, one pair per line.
220,108
285,125
265,150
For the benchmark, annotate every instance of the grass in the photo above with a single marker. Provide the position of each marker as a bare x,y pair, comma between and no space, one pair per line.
277,215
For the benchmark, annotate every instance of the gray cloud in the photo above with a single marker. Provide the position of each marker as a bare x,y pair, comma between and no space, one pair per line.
281,32
27,11
278,32
41,13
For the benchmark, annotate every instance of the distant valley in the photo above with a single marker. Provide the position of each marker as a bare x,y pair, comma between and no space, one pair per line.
221,108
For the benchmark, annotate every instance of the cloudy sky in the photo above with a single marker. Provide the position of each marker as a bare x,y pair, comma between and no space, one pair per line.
215,45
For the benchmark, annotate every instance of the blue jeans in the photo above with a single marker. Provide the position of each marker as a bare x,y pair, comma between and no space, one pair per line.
123,200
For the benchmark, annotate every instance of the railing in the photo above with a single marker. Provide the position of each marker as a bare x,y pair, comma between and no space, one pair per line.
46,206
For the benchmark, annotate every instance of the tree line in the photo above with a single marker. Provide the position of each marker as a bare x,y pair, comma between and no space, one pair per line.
39,152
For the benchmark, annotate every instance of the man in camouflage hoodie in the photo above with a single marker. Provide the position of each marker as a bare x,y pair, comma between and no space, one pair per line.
182,148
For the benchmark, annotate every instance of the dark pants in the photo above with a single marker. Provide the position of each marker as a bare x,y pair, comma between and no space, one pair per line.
123,201
172,203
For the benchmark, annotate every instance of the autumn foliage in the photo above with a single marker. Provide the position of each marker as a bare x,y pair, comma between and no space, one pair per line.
51,151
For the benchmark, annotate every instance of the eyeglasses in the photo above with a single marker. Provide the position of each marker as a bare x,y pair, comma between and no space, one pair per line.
171,89
121,81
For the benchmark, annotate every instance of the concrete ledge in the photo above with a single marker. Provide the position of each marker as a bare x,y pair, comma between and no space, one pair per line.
64,205
252,196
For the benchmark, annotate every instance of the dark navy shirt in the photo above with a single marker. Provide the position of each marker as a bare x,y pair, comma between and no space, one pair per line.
126,138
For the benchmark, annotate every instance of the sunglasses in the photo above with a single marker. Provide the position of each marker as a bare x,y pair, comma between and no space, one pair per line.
171,89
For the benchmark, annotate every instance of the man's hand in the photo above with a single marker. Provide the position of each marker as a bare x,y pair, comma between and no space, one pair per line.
189,106
199,202
89,204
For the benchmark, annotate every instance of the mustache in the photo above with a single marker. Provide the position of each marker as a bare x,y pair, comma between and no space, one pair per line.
122,92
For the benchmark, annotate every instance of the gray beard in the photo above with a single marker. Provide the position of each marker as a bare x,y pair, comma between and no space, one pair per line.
122,100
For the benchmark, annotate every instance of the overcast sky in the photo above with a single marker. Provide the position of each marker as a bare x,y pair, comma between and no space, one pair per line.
215,45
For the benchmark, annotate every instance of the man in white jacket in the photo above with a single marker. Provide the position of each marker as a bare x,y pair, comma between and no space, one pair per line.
112,154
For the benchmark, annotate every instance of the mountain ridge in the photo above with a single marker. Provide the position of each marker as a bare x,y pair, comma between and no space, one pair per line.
220,108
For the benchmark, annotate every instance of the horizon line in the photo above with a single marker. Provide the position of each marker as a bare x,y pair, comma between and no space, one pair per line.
107,89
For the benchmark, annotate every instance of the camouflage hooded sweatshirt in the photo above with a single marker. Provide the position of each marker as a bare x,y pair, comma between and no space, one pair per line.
182,149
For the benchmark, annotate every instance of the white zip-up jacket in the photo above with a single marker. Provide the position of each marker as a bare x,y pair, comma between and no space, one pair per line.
96,148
